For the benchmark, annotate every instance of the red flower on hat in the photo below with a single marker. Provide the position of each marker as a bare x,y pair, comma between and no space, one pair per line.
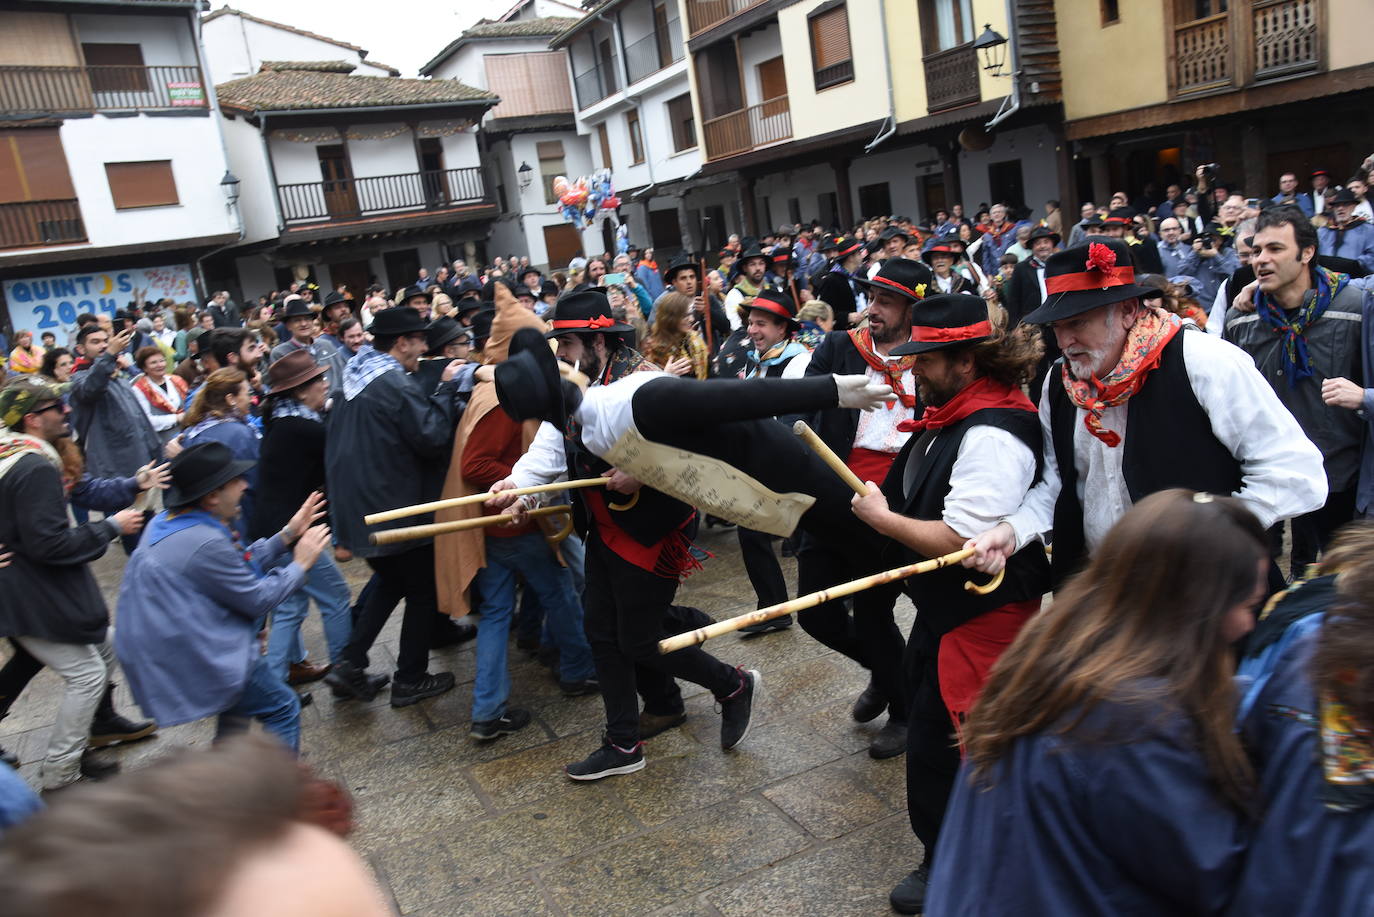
1101,258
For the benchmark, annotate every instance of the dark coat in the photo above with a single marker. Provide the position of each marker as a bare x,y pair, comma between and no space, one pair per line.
833,288
1022,293
116,435
48,591
836,354
291,466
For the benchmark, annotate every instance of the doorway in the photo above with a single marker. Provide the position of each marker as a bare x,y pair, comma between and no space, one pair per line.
402,268
357,275
340,198
932,194
432,177
1006,184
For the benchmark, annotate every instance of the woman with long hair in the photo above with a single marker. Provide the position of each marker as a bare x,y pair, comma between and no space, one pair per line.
1103,772
220,411
674,342
27,357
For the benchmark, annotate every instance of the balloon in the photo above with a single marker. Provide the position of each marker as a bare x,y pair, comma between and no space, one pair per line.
560,185
610,203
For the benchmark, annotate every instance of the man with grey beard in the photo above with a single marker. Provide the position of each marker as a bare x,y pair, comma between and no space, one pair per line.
1137,405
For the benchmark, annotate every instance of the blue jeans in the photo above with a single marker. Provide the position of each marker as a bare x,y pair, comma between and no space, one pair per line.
527,557
265,698
325,584
529,620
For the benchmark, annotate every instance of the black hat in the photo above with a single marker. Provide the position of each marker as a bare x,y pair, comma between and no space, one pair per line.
893,232
945,321
528,385
902,276
335,298
200,469
942,248
588,310
1094,222
413,291
1343,196
1096,273
465,305
397,321
829,243
469,286
297,308
1120,216
780,259
1044,232
548,288
440,333
683,262
753,251
521,290
481,326
777,302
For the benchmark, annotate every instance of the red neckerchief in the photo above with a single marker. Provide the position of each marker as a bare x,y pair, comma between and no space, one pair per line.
156,396
863,343
977,395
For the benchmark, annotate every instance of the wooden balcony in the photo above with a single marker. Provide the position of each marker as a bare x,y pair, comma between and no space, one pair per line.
1287,35
27,224
61,90
706,14
1251,43
952,78
384,195
1203,58
748,129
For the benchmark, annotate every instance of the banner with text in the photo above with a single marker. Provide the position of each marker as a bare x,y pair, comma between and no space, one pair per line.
41,304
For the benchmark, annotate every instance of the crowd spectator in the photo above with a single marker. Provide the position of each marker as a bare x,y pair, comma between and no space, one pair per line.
57,365
220,413
27,357
674,343
161,395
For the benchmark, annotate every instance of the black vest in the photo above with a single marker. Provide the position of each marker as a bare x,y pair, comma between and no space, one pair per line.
1169,443
940,597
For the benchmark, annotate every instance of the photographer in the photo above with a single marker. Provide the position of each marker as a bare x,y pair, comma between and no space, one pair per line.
1216,261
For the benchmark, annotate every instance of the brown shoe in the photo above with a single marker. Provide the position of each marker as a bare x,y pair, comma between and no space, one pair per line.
651,724
304,672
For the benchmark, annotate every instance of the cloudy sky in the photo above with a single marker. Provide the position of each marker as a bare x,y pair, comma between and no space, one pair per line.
402,33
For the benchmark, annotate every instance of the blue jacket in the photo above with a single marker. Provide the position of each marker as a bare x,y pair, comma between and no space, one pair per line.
1305,859
1302,201
1181,259
652,283
1355,242
1091,828
116,436
190,607
245,443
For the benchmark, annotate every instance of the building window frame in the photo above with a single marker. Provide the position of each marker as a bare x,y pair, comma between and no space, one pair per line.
636,134
1111,12
552,163
130,188
682,122
827,73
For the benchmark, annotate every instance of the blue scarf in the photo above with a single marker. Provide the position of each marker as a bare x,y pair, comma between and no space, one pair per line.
780,352
1296,363
367,364
165,524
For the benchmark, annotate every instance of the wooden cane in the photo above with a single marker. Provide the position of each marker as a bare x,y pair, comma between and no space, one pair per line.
462,525
729,625
706,305
419,508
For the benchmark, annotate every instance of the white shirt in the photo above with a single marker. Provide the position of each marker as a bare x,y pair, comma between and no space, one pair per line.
877,430
161,422
991,475
1216,318
1282,470
733,300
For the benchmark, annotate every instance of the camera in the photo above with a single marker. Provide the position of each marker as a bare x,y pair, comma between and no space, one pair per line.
1207,239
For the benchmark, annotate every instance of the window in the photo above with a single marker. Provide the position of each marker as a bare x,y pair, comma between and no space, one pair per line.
603,136
636,136
118,68
946,24
141,184
830,56
773,87
551,165
875,200
683,122
33,166
1111,12
794,210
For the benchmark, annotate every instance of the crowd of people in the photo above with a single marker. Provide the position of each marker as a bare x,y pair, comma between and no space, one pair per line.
1158,414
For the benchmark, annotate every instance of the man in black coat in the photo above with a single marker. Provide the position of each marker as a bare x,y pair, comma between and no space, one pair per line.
1026,289
834,284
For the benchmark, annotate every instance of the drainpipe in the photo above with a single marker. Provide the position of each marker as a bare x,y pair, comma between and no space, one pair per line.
891,125
1012,103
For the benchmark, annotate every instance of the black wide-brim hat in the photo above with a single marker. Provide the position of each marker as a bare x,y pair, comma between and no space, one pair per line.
297,308
1043,232
412,292
396,321
777,303
941,248
945,321
440,333
893,232
753,251
1077,280
202,469
582,312
528,385
903,276
682,263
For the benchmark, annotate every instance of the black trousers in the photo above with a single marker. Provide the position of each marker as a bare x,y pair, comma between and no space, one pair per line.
1312,531
658,689
765,573
871,637
16,675
932,755
625,610
409,576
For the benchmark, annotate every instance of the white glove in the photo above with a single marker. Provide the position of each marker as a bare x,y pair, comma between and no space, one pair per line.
862,393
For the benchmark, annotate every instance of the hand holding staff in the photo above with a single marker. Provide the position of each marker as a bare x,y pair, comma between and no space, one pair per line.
461,525
419,508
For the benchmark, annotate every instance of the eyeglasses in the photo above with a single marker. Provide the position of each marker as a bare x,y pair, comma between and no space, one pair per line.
56,405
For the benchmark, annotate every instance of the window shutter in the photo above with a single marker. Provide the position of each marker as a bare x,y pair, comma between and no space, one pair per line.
772,79
830,37
141,184
33,166
549,149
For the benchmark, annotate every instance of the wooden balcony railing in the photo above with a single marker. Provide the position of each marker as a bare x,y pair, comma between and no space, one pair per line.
1203,57
30,223
55,90
703,14
952,78
353,198
1287,37
748,129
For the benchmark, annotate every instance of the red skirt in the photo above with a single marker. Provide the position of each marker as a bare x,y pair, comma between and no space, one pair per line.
870,465
968,652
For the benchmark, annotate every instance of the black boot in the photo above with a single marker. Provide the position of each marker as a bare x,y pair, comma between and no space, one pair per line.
909,897
109,728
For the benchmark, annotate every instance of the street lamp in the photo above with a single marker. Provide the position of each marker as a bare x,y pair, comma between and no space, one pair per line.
526,175
994,50
229,184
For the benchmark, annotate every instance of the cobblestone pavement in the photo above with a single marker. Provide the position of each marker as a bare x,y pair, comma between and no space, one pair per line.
796,821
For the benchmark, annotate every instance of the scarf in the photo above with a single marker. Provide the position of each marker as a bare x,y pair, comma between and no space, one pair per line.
157,397
1296,363
780,352
290,407
171,521
367,364
892,370
749,290
14,446
1144,347
26,361
977,395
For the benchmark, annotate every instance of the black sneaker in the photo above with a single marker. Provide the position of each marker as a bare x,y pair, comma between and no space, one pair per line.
347,680
890,740
93,768
580,687
514,720
375,684
651,724
909,897
405,693
607,761
9,757
453,634
113,729
767,627
737,710
870,704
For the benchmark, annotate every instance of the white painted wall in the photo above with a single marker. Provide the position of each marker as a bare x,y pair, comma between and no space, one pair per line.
754,49
257,197
391,156
465,65
296,162
236,47
165,41
1034,147
255,275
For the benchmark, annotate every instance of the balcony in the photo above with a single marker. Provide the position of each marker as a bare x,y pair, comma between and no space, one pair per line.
705,14
26,224
952,78
1280,38
383,195
1202,54
595,84
653,52
61,90
748,129
1287,37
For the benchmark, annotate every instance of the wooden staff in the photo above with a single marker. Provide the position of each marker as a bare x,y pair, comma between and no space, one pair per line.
462,525
706,305
419,508
828,456
702,634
